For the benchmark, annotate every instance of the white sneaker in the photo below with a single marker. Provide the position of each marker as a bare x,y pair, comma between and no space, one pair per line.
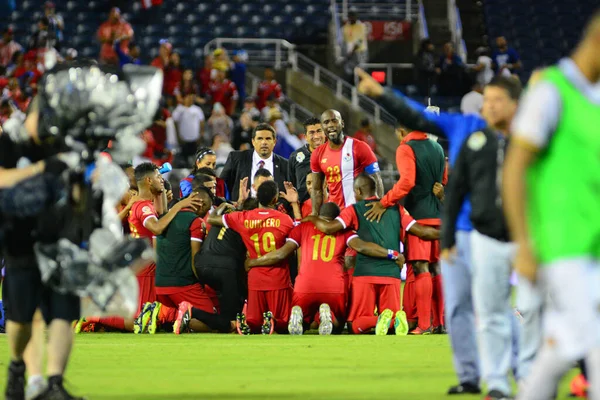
35,388
296,320
326,325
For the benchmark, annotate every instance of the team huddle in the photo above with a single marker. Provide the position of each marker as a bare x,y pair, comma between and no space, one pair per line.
324,255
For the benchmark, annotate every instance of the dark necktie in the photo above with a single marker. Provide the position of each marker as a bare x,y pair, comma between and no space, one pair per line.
261,164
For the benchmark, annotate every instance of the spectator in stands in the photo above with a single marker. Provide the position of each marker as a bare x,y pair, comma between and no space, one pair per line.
173,74
40,39
222,90
203,75
115,27
273,104
15,94
452,70
220,60
287,142
506,59
222,148
267,88
238,71
56,24
11,115
472,102
219,123
8,47
242,133
28,74
159,128
250,107
164,55
186,86
189,121
483,68
127,58
355,38
365,134
425,63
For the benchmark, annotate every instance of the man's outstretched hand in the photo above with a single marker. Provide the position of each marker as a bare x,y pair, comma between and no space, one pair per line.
376,212
367,85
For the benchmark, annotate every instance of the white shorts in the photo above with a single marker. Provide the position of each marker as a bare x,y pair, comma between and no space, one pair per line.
572,314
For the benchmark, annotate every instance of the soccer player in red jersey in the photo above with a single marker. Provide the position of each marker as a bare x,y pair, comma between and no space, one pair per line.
144,219
338,163
376,282
263,230
319,292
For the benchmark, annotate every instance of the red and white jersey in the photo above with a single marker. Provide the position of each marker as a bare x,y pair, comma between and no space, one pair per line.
265,89
341,166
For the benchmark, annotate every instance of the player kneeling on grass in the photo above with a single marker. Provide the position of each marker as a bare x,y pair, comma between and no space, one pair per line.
376,281
181,299
319,296
263,230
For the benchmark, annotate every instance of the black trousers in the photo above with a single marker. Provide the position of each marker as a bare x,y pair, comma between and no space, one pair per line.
226,282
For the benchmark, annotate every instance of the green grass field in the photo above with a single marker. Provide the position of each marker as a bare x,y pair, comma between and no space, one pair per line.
165,366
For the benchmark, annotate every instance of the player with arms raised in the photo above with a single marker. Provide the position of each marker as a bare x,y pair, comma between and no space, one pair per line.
263,230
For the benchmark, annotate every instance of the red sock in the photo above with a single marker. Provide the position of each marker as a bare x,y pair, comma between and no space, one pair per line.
423,294
364,324
113,322
437,304
167,315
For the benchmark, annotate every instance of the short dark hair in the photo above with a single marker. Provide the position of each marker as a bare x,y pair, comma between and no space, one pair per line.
200,180
125,166
262,173
250,203
512,85
329,210
365,122
264,127
203,190
143,170
311,121
266,193
206,171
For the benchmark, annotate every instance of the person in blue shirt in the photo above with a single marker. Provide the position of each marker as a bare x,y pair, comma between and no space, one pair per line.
131,58
238,72
506,59
456,267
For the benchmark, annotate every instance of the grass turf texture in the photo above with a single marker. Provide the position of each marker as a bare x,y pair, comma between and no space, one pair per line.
199,366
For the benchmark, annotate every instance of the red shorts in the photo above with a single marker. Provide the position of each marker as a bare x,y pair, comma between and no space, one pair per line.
310,303
418,249
279,302
147,292
193,294
409,301
369,292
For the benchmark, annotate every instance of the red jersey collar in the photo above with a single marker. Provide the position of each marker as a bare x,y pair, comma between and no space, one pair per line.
372,198
414,135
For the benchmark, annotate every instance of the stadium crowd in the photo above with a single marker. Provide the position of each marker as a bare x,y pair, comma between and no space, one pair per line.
272,232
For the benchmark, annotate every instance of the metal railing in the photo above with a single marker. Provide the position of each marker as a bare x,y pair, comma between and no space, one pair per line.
407,10
337,30
284,54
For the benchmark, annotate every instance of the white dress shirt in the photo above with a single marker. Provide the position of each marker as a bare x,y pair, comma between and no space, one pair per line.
255,163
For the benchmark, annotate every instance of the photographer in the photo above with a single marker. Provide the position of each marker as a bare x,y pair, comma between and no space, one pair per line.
23,291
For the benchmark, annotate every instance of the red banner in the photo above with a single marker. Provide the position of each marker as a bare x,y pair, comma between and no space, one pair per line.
388,31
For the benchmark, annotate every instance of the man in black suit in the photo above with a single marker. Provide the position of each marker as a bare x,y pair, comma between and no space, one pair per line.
299,162
242,165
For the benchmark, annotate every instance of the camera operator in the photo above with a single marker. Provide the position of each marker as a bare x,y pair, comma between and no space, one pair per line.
23,291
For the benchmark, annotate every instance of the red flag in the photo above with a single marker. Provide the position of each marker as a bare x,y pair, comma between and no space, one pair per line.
151,3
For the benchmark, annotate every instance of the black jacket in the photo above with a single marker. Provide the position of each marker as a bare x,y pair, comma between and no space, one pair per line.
299,168
478,173
239,166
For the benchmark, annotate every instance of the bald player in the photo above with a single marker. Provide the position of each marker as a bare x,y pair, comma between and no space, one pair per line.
338,163
553,213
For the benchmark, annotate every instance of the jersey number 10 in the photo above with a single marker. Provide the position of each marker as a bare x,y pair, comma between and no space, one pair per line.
325,248
268,243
